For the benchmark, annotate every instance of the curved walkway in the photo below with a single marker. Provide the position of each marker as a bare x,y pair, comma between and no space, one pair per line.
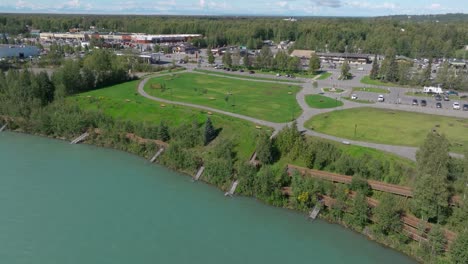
141,91
308,112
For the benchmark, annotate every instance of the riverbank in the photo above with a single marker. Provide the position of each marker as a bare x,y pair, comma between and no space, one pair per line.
147,150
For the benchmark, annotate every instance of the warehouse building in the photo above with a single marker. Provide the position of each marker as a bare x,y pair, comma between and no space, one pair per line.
16,51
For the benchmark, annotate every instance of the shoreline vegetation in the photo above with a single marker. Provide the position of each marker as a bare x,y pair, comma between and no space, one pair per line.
59,107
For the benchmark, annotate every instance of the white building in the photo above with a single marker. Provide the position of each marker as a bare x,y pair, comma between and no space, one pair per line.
16,51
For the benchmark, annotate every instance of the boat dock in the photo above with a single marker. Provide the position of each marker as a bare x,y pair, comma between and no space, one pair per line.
199,173
313,214
3,127
80,138
160,151
233,188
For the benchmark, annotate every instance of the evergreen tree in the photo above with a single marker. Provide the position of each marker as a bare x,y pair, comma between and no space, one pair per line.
390,66
345,71
426,76
360,210
210,132
281,61
211,58
387,215
436,240
227,59
264,149
163,132
246,61
374,73
431,189
314,63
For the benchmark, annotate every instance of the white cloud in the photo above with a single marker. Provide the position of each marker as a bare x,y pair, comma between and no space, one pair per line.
282,4
435,6
202,3
327,3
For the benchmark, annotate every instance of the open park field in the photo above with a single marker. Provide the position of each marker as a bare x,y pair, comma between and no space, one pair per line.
320,101
273,102
124,103
390,126
251,77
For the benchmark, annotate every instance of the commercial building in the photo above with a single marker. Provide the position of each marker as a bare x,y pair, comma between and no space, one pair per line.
120,37
16,51
341,57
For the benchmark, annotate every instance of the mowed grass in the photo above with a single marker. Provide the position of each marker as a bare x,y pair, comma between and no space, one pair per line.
273,102
250,77
124,103
324,76
320,101
368,80
371,90
391,127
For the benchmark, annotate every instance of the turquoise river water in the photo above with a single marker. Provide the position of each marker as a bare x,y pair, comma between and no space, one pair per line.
66,204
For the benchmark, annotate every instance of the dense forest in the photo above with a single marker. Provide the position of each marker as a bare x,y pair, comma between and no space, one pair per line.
438,36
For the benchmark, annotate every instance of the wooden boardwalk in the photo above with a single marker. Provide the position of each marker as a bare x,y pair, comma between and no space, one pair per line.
375,185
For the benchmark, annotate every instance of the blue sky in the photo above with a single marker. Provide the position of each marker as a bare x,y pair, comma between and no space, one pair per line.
239,7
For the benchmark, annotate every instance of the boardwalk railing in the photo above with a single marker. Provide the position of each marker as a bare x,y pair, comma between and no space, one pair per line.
375,185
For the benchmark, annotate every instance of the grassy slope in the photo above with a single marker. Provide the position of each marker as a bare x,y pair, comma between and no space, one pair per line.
319,101
266,101
390,127
113,101
252,77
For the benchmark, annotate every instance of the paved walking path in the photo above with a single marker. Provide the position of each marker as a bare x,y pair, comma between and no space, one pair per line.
308,112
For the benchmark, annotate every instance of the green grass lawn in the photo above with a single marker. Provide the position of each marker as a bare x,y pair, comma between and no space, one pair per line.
320,101
371,90
273,102
337,90
390,127
361,101
124,103
244,76
324,76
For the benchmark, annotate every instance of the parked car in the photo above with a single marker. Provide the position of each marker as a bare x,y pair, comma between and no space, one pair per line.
452,93
438,97
380,98
438,105
415,102
251,72
465,107
241,70
278,75
456,106
446,98
423,103
354,97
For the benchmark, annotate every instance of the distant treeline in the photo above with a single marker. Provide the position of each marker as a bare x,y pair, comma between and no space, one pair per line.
436,37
